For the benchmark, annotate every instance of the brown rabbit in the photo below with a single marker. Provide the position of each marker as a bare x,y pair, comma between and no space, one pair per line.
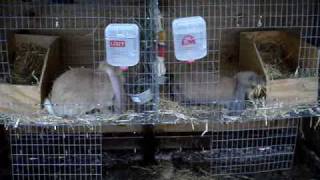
201,88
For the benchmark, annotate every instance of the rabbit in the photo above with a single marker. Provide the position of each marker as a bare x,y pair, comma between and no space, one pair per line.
246,82
202,88
81,90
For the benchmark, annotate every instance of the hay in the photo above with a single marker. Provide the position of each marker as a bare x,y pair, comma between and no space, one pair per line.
257,97
273,71
28,63
274,56
188,112
277,111
166,104
258,92
43,118
165,170
170,112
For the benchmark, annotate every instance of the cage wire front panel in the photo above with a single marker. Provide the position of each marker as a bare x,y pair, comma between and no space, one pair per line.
239,148
56,152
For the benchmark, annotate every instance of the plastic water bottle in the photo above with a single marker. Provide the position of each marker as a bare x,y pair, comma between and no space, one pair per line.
190,38
122,45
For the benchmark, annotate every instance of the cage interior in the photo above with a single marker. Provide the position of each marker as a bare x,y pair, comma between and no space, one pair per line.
244,135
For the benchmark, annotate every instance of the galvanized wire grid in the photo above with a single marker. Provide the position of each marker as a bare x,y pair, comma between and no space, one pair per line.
253,148
56,153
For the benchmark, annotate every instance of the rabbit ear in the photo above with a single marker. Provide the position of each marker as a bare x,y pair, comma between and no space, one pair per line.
117,89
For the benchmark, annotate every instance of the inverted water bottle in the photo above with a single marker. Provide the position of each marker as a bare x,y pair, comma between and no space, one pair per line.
190,38
122,45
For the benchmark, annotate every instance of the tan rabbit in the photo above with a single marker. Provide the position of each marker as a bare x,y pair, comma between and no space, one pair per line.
81,90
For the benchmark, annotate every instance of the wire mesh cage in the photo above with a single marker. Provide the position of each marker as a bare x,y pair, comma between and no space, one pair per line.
265,139
250,108
79,28
259,149
206,81
245,149
61,153
83,44
67,36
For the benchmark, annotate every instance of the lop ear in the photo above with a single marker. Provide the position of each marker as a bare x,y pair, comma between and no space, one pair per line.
117,87
102,65
48,106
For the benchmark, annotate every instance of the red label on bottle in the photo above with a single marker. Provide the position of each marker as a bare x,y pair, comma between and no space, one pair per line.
115,43
188,40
